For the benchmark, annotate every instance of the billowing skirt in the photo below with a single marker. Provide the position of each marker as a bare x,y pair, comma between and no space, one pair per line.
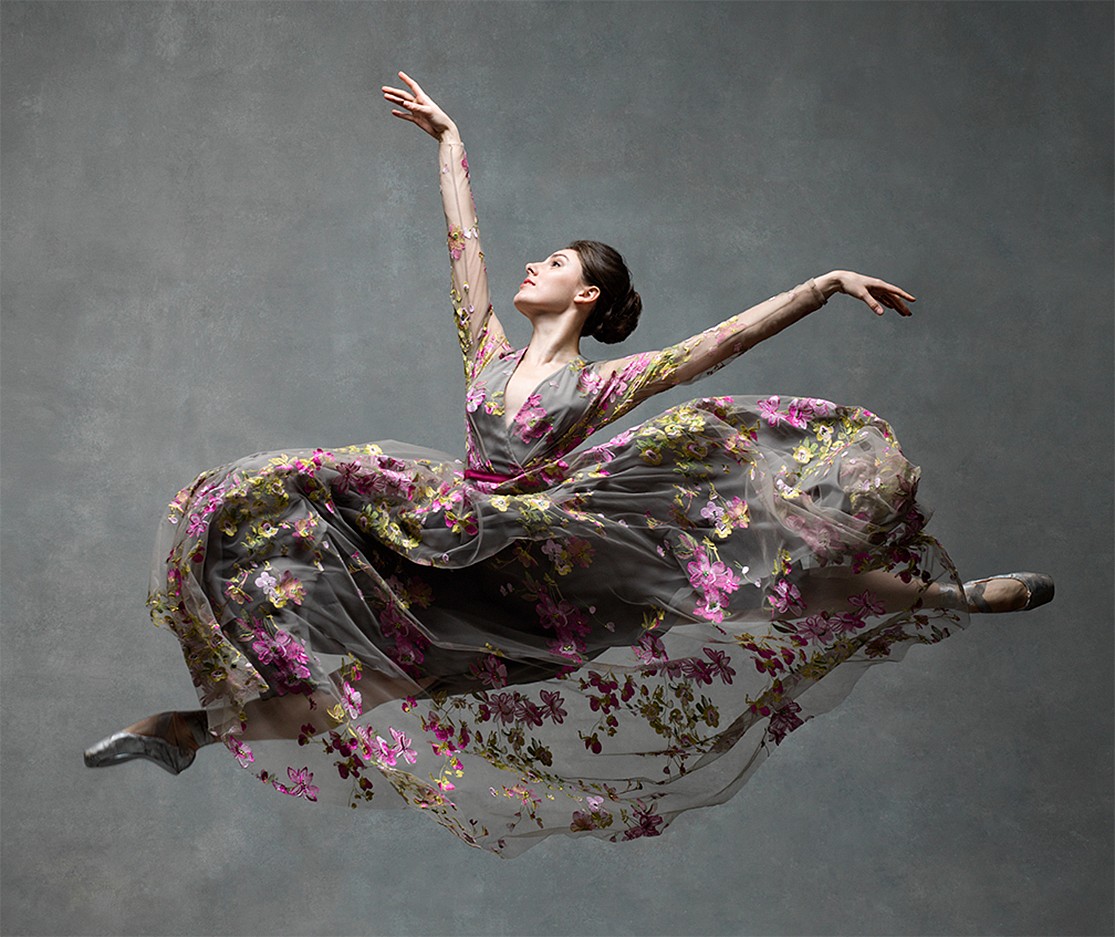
615,637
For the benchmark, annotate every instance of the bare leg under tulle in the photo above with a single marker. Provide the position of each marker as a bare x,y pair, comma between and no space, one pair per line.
284,717
280,717
823,591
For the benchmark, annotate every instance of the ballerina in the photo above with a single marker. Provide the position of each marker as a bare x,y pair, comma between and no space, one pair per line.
547,639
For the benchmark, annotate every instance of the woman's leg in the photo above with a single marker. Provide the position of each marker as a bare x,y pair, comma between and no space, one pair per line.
280,717
824,592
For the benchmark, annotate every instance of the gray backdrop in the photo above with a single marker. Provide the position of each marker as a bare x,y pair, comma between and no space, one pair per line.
216,240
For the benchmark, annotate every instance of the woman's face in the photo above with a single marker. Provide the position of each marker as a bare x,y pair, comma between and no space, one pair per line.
552,284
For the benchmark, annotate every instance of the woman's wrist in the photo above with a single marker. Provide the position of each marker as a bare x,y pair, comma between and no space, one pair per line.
828,283
450,136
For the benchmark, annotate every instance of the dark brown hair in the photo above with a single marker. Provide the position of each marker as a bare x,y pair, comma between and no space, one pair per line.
617,309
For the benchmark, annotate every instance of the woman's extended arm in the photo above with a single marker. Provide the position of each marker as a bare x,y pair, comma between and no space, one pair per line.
648,373
479,331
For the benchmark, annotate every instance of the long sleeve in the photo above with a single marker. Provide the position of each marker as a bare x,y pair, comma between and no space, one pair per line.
636,377
479,331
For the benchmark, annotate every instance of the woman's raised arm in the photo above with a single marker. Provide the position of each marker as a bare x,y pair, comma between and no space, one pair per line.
642,375
479,331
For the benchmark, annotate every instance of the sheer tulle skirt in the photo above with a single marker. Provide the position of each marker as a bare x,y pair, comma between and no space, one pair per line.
591,649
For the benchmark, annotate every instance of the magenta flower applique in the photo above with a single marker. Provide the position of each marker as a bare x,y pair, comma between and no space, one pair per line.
551,706
800,413
769,410
300,784
647,822
352,701
402,747
785,598
867,604
714,581
784,721
491,671
475,397
242,751
531,422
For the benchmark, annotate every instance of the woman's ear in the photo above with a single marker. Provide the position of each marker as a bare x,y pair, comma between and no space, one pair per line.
587,294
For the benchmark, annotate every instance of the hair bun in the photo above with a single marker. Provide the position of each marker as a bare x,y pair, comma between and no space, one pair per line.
616,312
620,320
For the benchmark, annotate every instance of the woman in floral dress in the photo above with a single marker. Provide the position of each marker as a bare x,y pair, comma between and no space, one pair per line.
542,639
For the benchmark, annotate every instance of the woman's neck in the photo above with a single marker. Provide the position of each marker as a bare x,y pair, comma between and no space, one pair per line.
552,342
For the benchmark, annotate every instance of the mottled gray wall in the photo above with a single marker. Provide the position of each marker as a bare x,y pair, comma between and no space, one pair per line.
216,240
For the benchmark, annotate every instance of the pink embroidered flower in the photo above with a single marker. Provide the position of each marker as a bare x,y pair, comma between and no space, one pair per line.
817,628
647,822
738,513
709,607
847,622
366,743
352,701
474,397
569,622
800,412
531,420
712,511
300,784
527,712
304,528
551,706
720,666
768,409
711,577
402,747
289,589
867,604
784,721
503,704
456,242
589,382
491,671
242,751
786,598
649,648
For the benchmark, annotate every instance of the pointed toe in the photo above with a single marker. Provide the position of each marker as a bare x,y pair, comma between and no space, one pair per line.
127,746
1039,591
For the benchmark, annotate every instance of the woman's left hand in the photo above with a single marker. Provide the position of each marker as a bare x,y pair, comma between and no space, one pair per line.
873,291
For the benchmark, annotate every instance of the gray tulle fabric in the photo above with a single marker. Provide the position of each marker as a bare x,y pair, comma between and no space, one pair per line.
542,638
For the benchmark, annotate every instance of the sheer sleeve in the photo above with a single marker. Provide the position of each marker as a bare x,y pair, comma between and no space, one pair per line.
479,331
633,379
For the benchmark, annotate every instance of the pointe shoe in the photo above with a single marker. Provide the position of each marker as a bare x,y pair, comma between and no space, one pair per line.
126,746
1038,586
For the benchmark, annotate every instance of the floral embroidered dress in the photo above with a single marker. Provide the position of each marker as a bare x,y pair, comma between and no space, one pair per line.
543,640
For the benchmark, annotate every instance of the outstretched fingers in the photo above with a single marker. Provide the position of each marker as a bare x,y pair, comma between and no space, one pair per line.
878,294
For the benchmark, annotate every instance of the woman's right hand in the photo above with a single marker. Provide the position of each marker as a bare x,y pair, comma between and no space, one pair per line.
420,109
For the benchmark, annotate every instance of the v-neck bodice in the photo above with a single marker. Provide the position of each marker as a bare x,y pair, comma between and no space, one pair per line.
510,418
544,427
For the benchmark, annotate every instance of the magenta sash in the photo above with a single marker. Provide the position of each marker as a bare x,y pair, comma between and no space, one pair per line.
474,475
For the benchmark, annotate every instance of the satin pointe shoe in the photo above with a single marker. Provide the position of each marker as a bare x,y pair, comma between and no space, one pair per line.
1038,586
126,746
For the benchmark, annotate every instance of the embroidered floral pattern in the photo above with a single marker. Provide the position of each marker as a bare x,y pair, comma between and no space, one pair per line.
564,639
